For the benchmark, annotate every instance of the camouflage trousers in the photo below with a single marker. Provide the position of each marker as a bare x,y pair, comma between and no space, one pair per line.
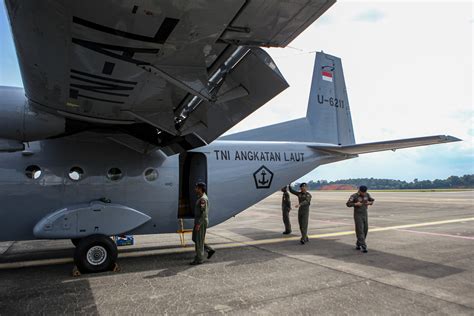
199,238
286,218
361,221
303,217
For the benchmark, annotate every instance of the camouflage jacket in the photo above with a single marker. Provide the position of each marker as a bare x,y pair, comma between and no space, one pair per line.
304,199
285,201
201,210
356,197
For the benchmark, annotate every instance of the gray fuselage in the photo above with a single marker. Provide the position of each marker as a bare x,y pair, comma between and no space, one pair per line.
232,169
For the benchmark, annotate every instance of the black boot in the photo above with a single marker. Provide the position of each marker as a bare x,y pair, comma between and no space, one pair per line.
195,263
210,253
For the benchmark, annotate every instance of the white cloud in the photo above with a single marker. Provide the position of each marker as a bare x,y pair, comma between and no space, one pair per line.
370,15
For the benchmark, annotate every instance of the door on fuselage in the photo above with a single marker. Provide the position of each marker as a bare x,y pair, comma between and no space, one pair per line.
192,169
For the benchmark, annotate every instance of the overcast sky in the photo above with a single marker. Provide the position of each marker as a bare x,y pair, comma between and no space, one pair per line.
408,68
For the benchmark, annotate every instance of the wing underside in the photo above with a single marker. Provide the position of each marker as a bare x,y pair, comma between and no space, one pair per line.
176,74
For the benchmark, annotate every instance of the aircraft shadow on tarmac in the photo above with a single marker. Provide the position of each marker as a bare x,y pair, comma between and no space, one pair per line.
45,291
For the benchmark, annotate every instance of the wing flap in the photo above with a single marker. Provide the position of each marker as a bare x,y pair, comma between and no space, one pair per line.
253,82
386,145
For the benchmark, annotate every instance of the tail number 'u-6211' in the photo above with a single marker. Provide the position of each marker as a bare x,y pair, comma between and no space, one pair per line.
338,103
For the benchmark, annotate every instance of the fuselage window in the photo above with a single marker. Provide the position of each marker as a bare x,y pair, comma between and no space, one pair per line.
76,173
151,174
114,174
33,172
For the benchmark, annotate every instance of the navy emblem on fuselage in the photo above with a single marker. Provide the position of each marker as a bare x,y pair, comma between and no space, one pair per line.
263,178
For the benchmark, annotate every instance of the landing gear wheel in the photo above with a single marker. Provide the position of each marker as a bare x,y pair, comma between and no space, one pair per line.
75,241
96,253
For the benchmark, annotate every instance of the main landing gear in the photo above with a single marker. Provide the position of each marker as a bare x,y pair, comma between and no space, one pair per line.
95,253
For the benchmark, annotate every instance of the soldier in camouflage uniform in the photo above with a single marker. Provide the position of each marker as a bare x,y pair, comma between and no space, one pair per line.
304,200
360,201
201,221
285,209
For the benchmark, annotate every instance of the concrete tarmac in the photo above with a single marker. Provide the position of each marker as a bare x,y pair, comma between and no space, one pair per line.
420,261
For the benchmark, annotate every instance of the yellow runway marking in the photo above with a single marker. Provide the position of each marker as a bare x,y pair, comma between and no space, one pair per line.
405,201
449,221
352,232
31,263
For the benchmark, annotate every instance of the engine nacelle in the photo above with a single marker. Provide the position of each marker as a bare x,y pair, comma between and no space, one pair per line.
22,122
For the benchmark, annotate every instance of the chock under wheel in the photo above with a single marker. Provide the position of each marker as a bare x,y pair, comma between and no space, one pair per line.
76,273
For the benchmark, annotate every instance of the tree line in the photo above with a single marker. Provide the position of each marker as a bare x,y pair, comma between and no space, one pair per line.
452,182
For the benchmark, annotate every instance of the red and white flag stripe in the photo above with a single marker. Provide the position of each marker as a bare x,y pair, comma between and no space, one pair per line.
327,76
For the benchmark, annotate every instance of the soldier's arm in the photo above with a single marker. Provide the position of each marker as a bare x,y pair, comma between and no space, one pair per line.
350,202
292,191
370,199
202,208
307,200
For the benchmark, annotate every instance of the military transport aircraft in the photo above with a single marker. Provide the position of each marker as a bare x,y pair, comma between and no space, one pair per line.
123,105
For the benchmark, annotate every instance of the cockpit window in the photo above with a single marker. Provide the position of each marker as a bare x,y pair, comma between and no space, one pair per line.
114,174
76,173
33,172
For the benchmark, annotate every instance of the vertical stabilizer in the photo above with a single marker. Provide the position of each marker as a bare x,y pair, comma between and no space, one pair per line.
328,118
328,111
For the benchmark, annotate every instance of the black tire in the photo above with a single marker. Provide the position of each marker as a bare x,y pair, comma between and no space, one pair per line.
95,253
75,241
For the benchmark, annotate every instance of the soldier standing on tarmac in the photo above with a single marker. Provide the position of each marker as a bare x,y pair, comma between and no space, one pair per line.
201,221
304,200
285,209
360,201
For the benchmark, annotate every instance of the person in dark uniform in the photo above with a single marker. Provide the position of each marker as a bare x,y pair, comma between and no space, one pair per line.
304,200
361,201
201,221
285,209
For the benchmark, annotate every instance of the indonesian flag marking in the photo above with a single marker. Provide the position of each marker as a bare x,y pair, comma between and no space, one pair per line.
327,76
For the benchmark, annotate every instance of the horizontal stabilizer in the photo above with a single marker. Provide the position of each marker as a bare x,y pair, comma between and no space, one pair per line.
386,145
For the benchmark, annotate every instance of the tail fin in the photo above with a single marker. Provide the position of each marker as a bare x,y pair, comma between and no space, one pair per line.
328,119
328,107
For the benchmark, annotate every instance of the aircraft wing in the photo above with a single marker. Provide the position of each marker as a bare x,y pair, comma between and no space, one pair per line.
176,74
386,145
